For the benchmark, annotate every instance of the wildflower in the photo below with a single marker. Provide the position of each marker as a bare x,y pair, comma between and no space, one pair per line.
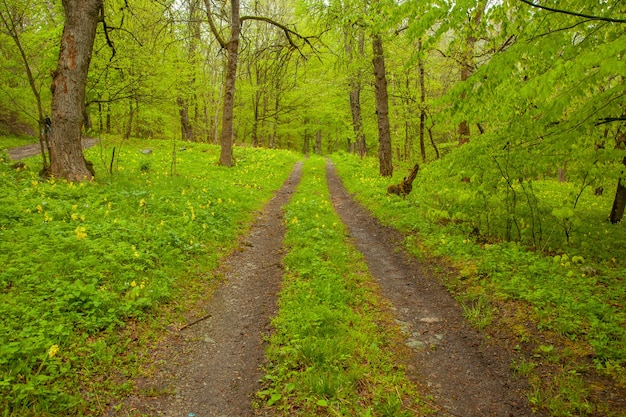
294,220
53,350
81,232
39,208
47,218
142,202
133,284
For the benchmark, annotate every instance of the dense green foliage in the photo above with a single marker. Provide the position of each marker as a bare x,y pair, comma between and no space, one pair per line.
330,354
81,260
577,291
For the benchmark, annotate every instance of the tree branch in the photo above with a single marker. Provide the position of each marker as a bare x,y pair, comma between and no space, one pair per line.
288,32
216,33
586,16
610,120
106,33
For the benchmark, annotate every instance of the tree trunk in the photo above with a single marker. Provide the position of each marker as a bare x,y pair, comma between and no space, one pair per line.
382,108
355,98
11,27
617,211
131,116
232,48
68,90
467,64
420,66
306,139
318,142
185,124
619,203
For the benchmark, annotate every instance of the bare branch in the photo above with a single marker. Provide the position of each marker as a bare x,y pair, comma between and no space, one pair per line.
289,33
106,33
586,16
216,33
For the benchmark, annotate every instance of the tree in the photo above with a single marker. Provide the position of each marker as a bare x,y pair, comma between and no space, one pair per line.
13,19
68,90
231,46
382,108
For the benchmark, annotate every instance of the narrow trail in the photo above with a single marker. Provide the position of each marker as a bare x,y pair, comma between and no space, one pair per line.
33,149
467,376
212,369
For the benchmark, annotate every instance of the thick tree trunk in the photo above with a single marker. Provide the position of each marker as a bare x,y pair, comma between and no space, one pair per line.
382,108
68,90
232,48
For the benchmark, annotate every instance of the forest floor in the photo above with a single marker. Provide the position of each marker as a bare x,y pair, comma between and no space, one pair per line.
211,367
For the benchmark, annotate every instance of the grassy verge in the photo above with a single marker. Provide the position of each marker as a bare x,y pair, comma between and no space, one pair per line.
330,354
8,142
85,266
564,311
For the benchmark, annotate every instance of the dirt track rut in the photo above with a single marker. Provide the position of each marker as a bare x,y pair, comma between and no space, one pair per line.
467,376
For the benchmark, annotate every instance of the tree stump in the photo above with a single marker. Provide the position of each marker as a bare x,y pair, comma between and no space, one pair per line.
404,188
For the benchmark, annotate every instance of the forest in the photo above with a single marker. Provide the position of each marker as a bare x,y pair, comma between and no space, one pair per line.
514,111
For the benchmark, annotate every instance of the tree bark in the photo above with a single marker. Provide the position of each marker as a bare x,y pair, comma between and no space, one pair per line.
420,67
355,97
68,90
619,203
318,142
185,124
382,108
232,49
467,64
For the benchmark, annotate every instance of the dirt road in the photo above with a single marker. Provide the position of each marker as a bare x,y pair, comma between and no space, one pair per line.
211,369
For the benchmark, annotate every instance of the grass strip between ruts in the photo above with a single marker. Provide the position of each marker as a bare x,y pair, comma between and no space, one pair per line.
331,351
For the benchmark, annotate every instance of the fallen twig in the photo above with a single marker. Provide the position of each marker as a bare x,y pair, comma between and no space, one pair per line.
195,322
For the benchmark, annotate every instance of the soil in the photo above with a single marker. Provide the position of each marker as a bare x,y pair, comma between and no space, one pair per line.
211,367
35,149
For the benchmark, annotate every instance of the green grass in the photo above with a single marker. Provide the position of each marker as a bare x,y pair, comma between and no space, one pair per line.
83,265
330,354
573,291
8,142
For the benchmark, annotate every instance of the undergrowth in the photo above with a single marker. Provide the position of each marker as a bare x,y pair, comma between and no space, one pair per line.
330,354
572,291
80,262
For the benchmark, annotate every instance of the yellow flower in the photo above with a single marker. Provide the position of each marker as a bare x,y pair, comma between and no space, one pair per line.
294,220
219,201
81,232
142,202
39,208
53,350
74,216
133,284
47,218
